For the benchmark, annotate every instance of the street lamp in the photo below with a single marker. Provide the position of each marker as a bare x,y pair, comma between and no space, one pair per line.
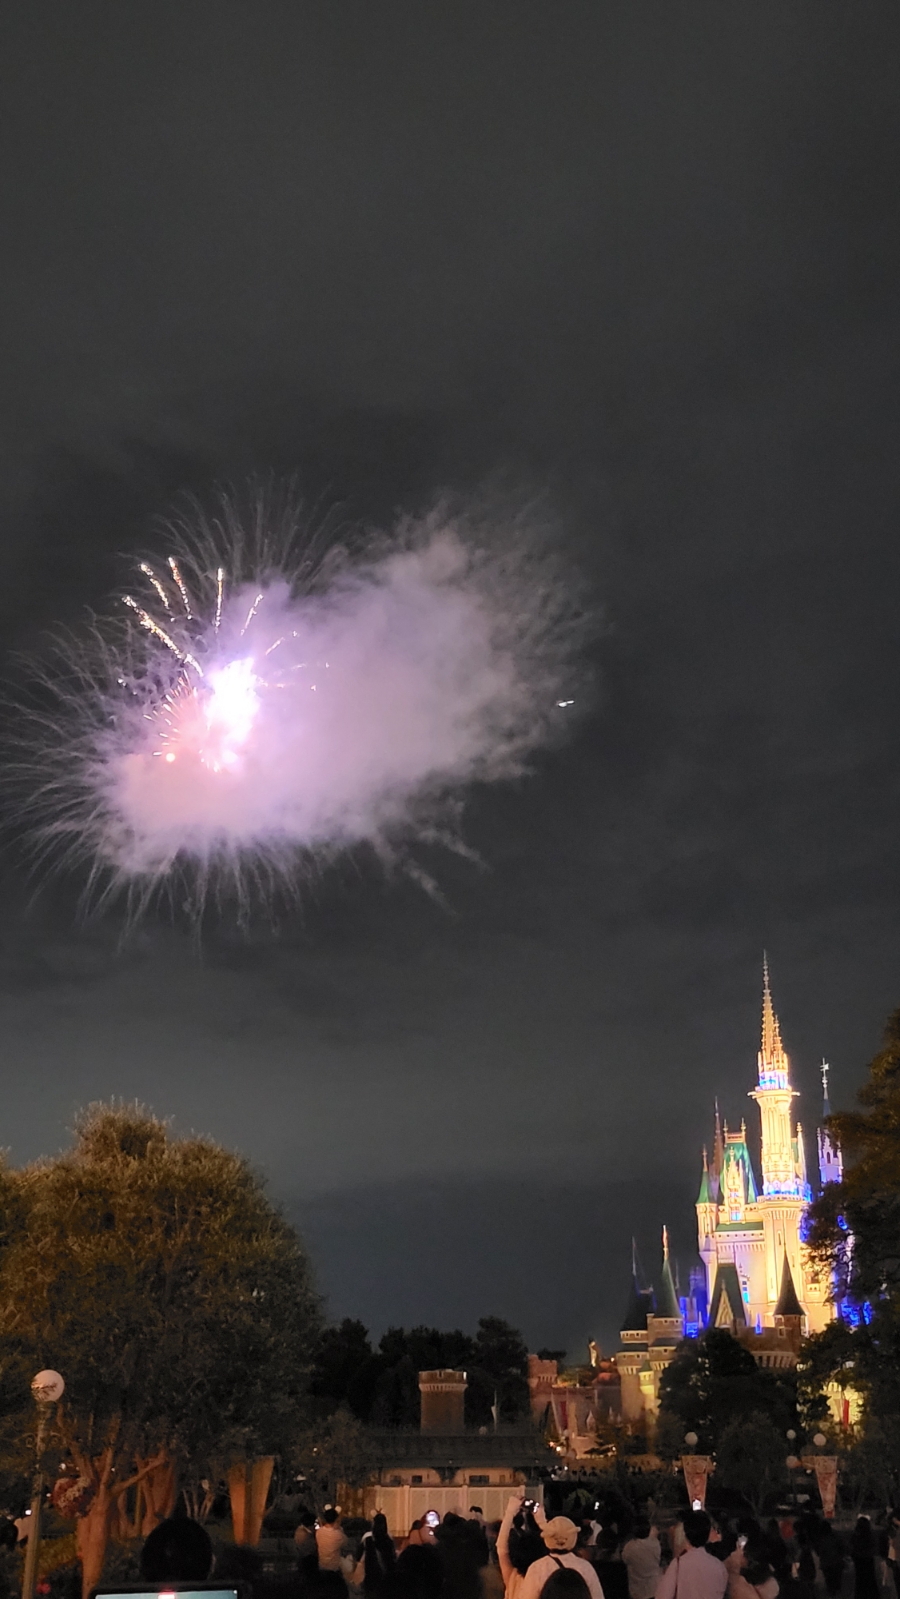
691,1440
792,1464
47,1387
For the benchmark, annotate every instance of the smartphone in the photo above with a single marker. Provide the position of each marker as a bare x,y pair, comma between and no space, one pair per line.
742,1541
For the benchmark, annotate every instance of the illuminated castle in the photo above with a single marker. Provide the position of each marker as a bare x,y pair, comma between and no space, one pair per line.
755,1279
749,1235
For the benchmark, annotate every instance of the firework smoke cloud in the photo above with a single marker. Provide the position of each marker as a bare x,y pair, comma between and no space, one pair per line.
261,699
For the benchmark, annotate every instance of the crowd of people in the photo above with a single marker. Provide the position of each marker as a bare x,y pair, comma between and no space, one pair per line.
527,1556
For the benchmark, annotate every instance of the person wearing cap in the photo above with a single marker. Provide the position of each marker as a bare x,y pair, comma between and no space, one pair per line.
559,1536
695,1573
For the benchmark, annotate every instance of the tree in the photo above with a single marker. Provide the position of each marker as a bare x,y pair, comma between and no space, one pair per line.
751,1457
853,1233
714,1381
382,1387
157,1277
854,1225
331,1453
342,1353
498,1372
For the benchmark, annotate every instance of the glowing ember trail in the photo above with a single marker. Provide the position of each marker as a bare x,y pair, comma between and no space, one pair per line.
266,702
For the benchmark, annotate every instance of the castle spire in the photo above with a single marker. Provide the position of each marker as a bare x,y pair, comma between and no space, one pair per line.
831,1166
773,1095
772,1046
773,1060
718,1145
667,1306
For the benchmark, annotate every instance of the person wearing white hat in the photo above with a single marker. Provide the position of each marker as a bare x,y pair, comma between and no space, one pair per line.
559,1536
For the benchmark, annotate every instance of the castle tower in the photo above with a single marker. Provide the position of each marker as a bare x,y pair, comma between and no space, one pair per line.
632,1359
781,1203
750,1235
665,1328
443,1399
707,1213
831,1166
773,1096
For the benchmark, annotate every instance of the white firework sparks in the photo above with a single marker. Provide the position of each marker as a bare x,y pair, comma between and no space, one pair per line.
258,707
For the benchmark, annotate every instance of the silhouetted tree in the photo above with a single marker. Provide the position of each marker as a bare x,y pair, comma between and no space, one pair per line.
714,1381
156,1276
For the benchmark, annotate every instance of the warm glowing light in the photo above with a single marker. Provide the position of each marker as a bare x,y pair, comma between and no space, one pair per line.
231,705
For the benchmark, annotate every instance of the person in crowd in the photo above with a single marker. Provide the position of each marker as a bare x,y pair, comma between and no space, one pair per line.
519,1543
462,1547
807,1572
9,1532
642,1554
305,1543
779,1551
326,1585
750,1574
178,1550
422,1532
862,1553
418,1573
585,1542
694,1573
331,1540
832,1558
379,1557
565,1583
559,1537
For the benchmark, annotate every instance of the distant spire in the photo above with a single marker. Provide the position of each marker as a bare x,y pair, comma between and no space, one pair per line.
771,1033
718,1145
831,1166
667,1305
772,1054
634,1264
705,1196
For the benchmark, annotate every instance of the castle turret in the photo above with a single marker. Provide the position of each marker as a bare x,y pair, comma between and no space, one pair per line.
707,1211
665,1326
773,1095
632,1359
831,1166
789,1317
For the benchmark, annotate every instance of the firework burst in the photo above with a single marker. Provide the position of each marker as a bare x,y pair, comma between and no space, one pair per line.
261,700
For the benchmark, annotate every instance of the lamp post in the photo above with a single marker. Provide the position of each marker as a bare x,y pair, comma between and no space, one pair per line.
47,1387
792,1463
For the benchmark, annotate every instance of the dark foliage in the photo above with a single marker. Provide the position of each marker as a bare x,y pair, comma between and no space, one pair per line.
381,1386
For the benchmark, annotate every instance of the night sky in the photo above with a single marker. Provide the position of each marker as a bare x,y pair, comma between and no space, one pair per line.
640,259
